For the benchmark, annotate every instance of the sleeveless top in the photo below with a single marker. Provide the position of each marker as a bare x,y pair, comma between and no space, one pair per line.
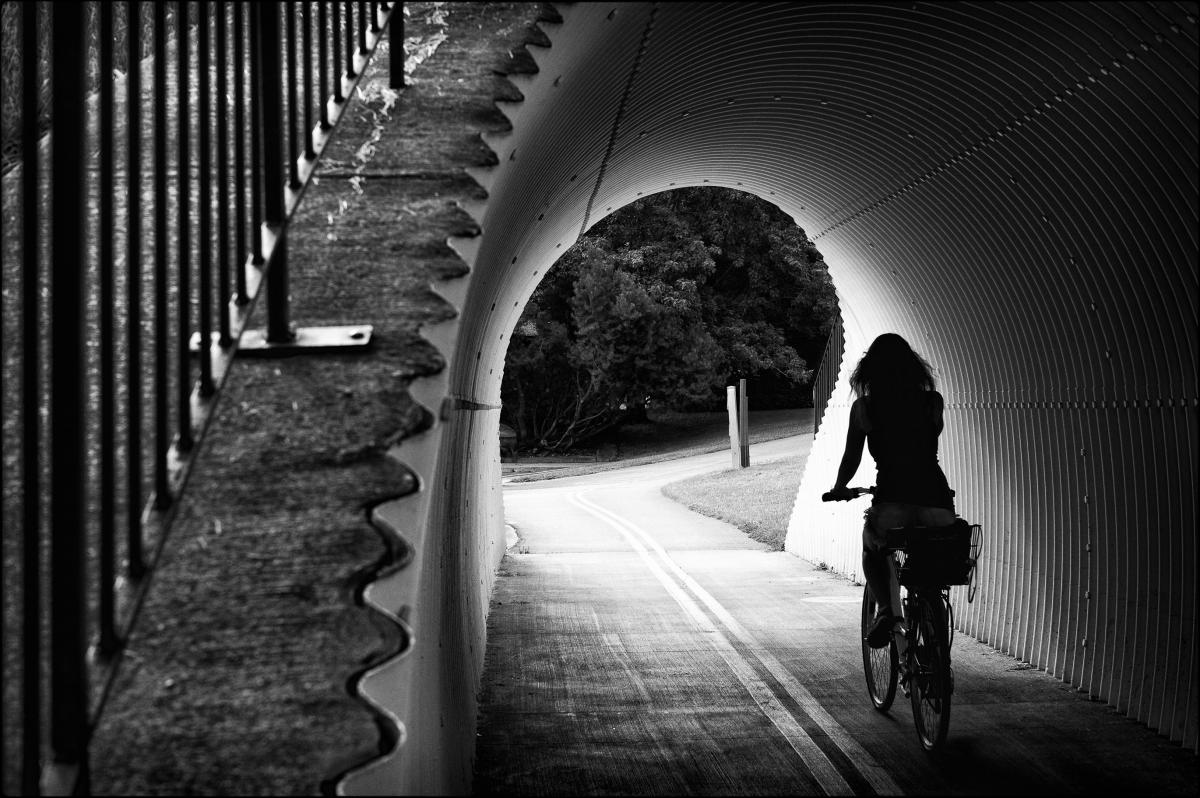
903,439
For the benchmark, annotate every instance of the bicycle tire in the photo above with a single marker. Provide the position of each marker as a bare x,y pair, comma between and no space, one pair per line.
931,681
880,665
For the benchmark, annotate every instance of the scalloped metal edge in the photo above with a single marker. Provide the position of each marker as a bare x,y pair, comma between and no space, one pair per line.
406,517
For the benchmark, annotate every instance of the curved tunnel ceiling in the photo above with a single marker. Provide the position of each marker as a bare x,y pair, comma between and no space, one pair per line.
1021,174
1012,187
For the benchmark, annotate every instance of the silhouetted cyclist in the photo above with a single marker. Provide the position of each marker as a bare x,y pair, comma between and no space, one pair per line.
898,413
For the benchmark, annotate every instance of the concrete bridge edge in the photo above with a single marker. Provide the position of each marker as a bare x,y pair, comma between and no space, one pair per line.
424,690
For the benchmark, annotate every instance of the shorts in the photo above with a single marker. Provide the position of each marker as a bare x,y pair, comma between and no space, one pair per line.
882,516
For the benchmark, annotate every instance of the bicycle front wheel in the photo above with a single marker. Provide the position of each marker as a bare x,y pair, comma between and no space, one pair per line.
930,679
879,664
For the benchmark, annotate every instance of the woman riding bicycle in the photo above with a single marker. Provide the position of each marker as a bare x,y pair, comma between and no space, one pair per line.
898,414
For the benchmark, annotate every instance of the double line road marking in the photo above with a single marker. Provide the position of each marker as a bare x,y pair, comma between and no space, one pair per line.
674,579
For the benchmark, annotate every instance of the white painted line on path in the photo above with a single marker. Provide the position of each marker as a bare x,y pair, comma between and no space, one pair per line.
870,769
817,762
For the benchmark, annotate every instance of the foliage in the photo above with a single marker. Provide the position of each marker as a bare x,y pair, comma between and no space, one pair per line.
665,303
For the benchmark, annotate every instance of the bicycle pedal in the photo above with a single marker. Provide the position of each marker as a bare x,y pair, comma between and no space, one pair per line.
905,682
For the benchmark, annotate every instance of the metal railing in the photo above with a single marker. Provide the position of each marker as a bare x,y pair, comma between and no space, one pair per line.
827,373
170,190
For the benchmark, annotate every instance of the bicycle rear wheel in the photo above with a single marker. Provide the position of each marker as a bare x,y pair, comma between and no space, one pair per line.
879,664
931,679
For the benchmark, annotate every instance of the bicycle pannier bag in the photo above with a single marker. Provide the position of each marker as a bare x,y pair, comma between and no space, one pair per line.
940,556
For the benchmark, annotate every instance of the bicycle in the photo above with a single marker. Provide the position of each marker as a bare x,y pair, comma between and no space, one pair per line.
929,560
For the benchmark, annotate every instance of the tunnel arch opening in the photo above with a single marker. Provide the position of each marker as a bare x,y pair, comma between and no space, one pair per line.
1024,216
725,286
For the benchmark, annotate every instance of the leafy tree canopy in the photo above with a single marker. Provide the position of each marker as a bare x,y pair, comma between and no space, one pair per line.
666,302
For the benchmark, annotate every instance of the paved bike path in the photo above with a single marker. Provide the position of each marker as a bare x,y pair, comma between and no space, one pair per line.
635,647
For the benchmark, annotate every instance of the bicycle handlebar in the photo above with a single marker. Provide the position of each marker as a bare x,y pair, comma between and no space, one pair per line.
854,493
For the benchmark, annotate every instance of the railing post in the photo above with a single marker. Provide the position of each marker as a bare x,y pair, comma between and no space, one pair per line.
350,73
225,340
133,294
183,384
825,378
396,47
336,35
268,51
162,492
31,644
293,137
362,28
256,145
271,122
207,388
239,152
68,635
323,62
306,47
108,610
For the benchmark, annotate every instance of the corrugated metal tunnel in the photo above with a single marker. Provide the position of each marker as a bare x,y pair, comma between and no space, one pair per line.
1012,187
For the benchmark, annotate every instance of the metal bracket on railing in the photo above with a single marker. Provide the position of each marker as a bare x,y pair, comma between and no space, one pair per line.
280,338
305,340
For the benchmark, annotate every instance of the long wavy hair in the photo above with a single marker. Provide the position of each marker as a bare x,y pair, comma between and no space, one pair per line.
891,368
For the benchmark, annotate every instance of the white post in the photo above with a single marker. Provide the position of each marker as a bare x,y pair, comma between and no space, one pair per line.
743,425
732,406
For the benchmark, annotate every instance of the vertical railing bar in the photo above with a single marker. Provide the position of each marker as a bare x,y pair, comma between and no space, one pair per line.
31,432
396,48
222,69
239,150
362,27
108,629
306,48
336,35
270,109
4,760
183,387
68,444
825,378
133,277
350,73
162,493
289,8
205,177
323,60
374,17
256,150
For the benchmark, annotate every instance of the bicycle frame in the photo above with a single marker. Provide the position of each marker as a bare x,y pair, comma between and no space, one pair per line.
919,655
927,677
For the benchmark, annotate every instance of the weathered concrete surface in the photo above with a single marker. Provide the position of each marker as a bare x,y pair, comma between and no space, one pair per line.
236,681
637,648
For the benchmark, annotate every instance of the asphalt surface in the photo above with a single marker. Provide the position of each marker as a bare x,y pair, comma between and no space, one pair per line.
635,647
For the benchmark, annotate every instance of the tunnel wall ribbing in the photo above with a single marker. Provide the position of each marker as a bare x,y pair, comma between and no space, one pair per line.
1012,187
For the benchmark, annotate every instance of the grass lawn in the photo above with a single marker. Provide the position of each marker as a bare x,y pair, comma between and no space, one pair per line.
668,435
758,500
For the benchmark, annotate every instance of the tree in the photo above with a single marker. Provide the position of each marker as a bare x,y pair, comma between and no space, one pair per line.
664,303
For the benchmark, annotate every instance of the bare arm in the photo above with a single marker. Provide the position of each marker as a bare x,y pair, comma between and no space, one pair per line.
856,436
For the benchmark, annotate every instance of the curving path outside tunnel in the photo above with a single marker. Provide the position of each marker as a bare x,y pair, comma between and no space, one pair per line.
636,647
